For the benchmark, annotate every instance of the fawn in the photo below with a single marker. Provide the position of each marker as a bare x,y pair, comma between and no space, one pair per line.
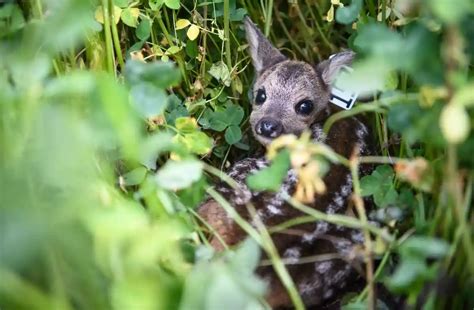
290,97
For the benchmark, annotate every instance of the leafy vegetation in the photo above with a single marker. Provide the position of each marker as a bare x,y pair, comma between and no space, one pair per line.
117,115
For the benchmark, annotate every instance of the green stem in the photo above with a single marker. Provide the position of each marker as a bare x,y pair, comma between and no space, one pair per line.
115,36
235,216
372,10
290,223
338,219
384,10
276,260
228,51
108,38
344,114
359,204
262,237
318,27
288,35
374,106
179,60
458,209
268,18
377,274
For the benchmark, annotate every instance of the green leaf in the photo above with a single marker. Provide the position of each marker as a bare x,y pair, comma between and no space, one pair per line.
233,134
186,124
11,19
173,50
148,100
143,29
218,121
160,74
235,114
377,39
238,15
130,17
220,72
380,185
425,247
270,178
172,4
153,146
192,49
451,11
224,290
385,197
369,185
121,3
155,4
247,256
175,175
134,177
198,142
348,14
408,271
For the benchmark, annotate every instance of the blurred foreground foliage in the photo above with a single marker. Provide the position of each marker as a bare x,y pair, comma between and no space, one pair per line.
102,156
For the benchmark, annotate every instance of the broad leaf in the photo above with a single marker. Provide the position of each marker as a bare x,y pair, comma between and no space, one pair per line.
148,100
270,178
175,175
233,134
348,14
143,29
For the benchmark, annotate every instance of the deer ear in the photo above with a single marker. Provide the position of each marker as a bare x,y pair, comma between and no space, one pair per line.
262,52
329,68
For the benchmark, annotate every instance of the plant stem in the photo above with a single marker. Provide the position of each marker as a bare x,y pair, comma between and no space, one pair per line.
359,204
115,36
268,17
290,38
372,10
179,60
235,216
227,41
277,262
262,237
338,219
384,10
108,39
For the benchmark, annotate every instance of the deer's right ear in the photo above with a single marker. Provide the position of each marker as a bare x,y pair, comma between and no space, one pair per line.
328,69
262,52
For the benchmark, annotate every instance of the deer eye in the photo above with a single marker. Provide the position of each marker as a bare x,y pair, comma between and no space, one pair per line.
261,96
304,107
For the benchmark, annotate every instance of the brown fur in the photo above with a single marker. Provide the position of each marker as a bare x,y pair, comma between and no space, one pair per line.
286,83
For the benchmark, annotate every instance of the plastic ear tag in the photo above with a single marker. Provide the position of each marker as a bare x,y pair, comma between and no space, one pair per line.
343,98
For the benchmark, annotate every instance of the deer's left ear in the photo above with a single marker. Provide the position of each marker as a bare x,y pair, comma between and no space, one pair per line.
262,52
329,68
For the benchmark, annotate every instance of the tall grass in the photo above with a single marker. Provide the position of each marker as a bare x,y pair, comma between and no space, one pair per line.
103,158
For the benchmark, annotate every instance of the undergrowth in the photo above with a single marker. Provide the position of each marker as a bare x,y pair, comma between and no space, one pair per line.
116,116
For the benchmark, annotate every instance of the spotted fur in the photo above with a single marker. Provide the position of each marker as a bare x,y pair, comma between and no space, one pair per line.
286,82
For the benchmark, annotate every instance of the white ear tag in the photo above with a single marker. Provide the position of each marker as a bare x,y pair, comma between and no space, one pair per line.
343,98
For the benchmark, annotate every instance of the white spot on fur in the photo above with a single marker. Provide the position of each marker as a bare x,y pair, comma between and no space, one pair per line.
308,287
357,236
323,267
321,228
292,254
242,195
273,210
284,191
259,216
361,133
328,294
318,133
343,246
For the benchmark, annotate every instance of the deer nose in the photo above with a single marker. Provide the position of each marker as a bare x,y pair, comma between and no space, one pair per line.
269,128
